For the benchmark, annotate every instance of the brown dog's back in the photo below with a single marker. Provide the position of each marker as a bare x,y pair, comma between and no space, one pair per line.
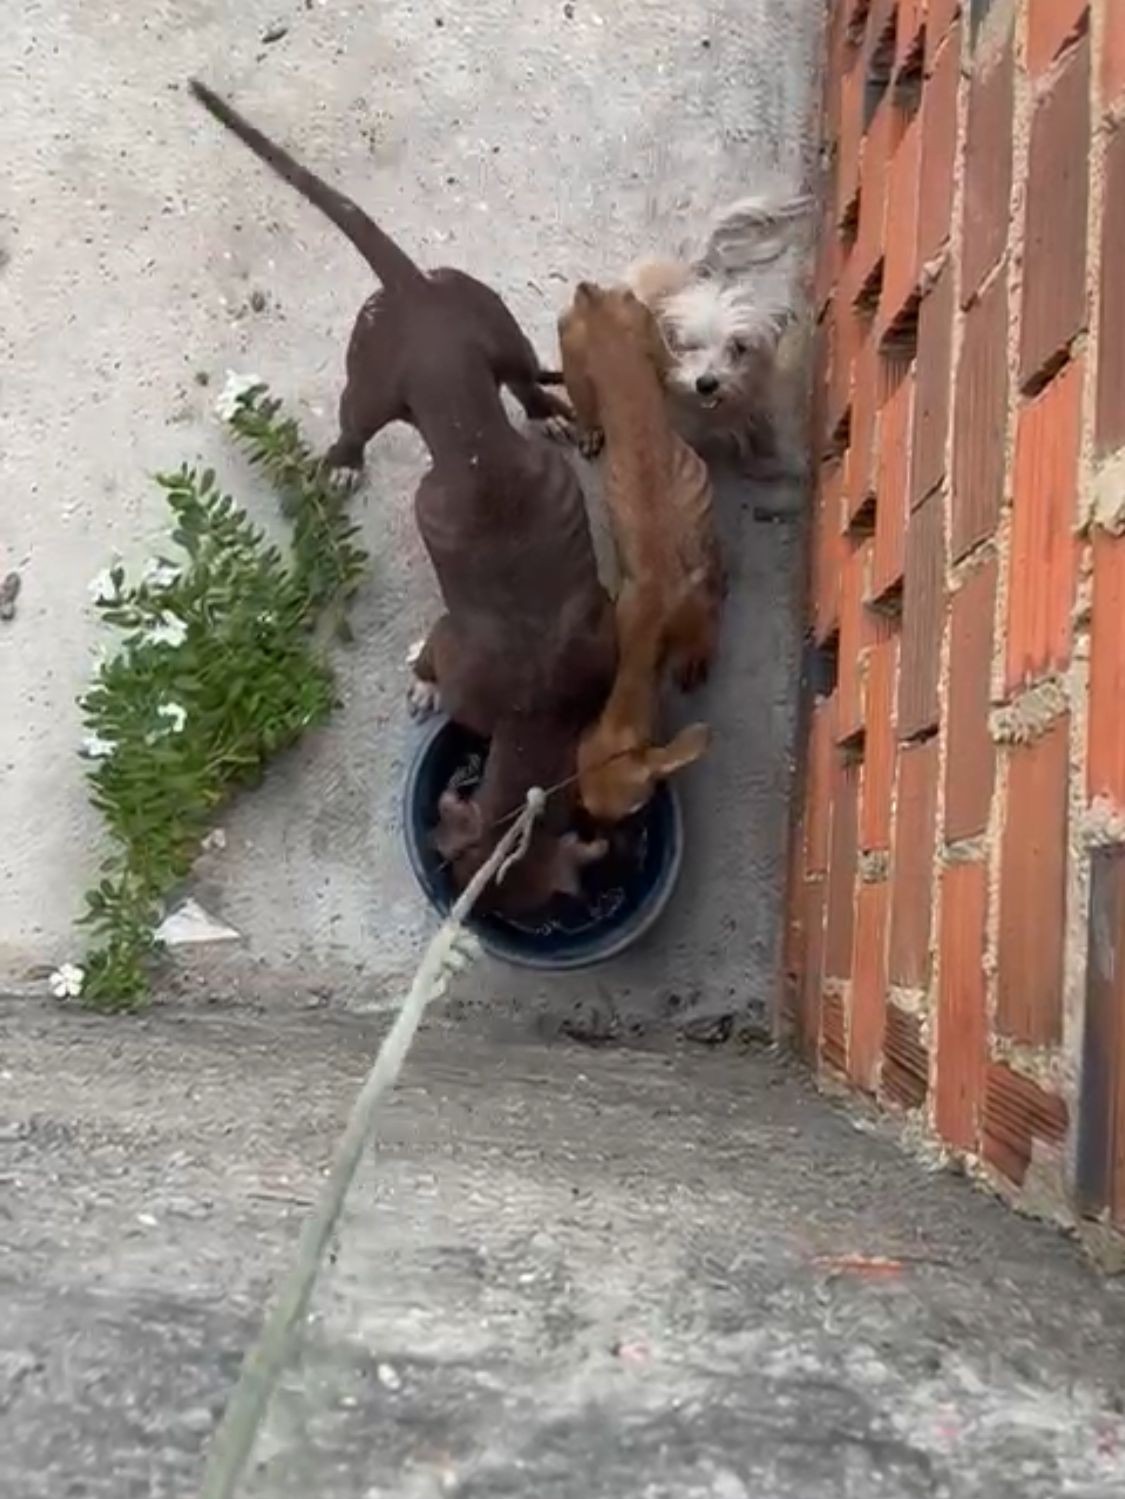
658,493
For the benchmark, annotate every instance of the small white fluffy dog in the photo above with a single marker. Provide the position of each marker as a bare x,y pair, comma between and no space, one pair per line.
724,313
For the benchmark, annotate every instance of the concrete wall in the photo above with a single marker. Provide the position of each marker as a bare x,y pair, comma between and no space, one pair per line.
529,143
958,911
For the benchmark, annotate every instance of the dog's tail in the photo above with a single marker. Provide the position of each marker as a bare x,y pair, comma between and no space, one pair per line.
753,231
392,265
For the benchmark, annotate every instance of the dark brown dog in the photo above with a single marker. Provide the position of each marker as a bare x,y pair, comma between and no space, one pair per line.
658,493
526,653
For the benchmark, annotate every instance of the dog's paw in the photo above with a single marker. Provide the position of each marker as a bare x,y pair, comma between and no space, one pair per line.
560,429
546,406
339,472
414,652
344,481
422,698
590,442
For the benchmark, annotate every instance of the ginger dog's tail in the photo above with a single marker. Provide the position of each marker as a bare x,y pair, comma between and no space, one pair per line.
392,265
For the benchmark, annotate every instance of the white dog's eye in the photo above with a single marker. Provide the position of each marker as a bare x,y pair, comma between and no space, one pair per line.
737,347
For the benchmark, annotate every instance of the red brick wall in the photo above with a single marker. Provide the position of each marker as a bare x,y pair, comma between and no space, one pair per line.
968,585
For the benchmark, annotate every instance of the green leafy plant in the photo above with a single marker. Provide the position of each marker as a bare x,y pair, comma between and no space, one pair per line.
221,665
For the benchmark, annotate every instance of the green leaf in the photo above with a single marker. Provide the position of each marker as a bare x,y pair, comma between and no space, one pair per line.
246,675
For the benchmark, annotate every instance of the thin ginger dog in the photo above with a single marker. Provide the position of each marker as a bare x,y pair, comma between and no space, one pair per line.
658,493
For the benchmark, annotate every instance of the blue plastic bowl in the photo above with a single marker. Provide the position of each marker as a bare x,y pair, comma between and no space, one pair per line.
623,894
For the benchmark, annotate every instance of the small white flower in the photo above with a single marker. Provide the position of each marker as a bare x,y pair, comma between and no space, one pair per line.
175,714
94,747
66,981
103,589
215,840
159,573
230,397
169,629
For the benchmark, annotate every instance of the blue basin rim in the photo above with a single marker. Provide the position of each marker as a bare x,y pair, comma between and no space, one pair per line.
440,745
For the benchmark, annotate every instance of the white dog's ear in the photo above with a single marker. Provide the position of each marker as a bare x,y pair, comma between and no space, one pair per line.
754,231
654,281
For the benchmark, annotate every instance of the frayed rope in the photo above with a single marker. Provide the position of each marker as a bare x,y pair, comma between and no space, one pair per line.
445,955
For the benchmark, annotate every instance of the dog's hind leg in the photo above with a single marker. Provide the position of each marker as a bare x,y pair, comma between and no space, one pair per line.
526,380
423,696
444,680
517,366
365,409
511,355
371,398
585,430
693,640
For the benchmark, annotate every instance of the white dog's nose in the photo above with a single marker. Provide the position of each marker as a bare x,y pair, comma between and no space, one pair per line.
707,385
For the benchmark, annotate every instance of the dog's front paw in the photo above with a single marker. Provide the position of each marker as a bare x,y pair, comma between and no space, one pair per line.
414,652
590,442
345,480
422,698
545,406
560,429
563,429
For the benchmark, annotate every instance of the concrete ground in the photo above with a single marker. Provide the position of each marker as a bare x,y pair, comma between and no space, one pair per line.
564,1271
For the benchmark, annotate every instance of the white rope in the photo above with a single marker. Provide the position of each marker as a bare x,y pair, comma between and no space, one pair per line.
536,801
262,1366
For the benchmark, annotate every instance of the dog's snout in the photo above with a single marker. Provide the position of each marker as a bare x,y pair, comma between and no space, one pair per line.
707,385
